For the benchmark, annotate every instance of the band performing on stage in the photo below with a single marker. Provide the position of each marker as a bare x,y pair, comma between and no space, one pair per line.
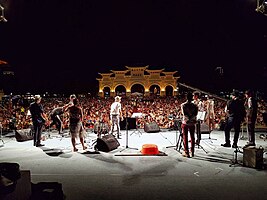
193,112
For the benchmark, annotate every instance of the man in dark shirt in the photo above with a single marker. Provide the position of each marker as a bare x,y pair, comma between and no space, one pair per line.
38,119
55,116
235,115
189,112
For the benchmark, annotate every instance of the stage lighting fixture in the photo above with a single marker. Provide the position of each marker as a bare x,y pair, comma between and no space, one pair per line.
262,7
2,16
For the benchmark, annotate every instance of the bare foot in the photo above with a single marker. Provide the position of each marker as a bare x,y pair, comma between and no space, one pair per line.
84,147
75,149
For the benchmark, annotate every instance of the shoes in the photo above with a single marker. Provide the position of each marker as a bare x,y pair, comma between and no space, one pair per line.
234,146
249,145
192,154
75,149
226,145
186,155
39,145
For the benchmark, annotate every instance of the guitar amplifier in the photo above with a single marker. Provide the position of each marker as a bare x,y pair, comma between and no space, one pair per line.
253,157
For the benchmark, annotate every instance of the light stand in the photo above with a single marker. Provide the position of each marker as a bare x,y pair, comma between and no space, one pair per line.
2,15
126,127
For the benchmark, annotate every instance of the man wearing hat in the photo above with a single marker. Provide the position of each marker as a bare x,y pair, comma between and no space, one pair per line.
115,115
38,119
235,110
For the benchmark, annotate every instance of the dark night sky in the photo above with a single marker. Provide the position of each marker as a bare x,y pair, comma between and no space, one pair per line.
60,46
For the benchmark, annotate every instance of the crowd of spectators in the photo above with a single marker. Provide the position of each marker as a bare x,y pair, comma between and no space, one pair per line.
14,114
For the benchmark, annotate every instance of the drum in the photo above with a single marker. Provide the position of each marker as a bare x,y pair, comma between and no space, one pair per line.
101,128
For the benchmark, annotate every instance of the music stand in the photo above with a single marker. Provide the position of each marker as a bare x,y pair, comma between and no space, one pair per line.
126,127
200,117
177,128
136,116
180,139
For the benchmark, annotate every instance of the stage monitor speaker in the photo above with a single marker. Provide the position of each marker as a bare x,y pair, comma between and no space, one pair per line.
23,135
204,128
106,143
131,123
151,127
253,157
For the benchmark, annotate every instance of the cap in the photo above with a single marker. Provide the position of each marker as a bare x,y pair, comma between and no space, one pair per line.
117,98
196,93
37,97
73,96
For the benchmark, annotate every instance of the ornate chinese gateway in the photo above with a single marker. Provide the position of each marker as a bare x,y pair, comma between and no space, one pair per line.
139,81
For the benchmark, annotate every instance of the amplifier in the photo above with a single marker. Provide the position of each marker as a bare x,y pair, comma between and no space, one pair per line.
253,157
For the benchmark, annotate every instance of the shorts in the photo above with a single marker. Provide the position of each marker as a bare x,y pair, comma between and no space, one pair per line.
77,130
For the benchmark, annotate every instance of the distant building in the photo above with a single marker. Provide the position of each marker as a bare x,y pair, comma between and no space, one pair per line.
138,81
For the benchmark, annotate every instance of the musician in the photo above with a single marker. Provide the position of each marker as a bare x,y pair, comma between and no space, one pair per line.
75,124
235,110
210,117
197,101
200,105
116,115
189,112
72,96
55,116
251,106
38,119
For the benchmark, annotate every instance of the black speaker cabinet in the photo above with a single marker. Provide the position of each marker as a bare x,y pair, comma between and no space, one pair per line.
253,157
23,135
204,128
152,127
106,143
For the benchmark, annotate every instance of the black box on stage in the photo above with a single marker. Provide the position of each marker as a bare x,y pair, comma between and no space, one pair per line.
253,157
151,127
107,143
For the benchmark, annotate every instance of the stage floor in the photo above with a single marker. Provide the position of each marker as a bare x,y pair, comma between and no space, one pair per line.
124,173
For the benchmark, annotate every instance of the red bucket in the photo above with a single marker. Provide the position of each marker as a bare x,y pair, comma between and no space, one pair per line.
150,149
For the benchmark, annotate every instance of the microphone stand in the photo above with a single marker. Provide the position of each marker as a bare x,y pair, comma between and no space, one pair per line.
126,126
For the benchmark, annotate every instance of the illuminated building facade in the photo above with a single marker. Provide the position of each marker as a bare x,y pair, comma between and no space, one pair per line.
138,80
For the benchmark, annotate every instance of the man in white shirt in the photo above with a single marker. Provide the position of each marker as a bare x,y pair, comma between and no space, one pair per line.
210,117
197,101
115,115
